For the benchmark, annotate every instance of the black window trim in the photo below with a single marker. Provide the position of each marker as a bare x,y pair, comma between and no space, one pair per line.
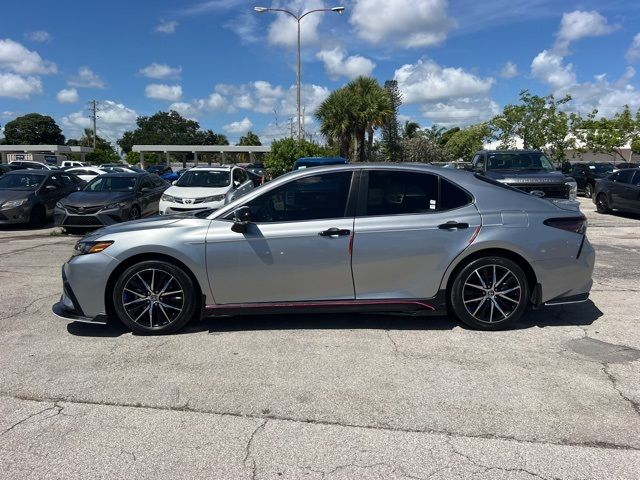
361,211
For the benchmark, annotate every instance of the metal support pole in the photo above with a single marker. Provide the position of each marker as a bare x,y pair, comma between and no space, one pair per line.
298,81
184,160
142,160
195,159
4,158
166,158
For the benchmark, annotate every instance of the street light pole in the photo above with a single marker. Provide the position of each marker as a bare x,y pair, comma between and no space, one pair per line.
298,18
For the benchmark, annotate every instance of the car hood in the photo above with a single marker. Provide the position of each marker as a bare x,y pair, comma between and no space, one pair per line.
6,195
92,199
526,176
195,192
150,223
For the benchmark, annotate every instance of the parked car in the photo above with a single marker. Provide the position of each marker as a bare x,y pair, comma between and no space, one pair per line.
205,187
623,165
6,168
72,163
87,173
586,175
618,191
29,196
31,165
355,238
111,198
308,162
527,170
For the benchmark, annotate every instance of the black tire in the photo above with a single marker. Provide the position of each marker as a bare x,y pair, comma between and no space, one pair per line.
129,302
38,215
134,213
602,203
588,190
477,303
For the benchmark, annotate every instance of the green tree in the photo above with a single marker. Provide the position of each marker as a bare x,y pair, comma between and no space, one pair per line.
285,152
337,119
434,133
391,148
163,128
422,149
208,137
410,129
33,129
608,135
464,143
248,140
635,145
444,138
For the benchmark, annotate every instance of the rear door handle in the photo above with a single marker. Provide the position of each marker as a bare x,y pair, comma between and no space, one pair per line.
453,225
334,232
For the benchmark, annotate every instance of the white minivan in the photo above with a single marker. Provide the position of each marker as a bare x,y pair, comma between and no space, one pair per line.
205,187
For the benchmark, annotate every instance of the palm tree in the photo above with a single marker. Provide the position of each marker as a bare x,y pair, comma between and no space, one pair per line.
410,129
434,133
337,119
374,109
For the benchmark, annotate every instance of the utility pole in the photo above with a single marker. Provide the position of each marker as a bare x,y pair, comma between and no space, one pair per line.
93,112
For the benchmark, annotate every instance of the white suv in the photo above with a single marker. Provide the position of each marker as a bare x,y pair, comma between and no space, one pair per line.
205,187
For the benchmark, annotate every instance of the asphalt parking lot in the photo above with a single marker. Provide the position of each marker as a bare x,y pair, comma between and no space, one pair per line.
322,396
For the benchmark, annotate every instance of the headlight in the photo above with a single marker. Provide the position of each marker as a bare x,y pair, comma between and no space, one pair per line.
573,189
167,198
114,205
84,248
213,198
13,203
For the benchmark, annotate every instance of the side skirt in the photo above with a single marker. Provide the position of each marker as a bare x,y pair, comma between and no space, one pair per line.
415,306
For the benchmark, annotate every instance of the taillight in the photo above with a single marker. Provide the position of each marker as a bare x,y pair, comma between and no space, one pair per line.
570,224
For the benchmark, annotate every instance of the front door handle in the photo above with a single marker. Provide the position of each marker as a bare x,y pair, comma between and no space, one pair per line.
334,232
453,225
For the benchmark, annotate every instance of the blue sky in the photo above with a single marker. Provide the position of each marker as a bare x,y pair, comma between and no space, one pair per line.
457,62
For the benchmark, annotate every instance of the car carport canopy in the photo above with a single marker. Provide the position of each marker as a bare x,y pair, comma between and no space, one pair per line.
197,149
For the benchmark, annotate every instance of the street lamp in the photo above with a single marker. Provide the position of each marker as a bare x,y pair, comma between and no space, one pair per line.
338,10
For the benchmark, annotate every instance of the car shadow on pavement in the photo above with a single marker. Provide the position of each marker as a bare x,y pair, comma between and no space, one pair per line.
560,316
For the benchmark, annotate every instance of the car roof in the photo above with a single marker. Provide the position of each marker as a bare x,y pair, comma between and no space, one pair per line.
33,172
531,150
219,167
125,174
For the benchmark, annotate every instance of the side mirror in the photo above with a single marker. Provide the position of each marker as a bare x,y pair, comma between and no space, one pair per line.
145,190
468,168
241,219
174,182
51,188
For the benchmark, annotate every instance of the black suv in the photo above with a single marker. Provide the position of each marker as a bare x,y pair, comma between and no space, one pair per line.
586,175
528,170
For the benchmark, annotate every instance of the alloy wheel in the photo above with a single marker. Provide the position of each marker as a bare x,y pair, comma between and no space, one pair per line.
134,213
153,298
491,293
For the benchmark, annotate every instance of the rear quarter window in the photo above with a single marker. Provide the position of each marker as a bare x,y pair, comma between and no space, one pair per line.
452,196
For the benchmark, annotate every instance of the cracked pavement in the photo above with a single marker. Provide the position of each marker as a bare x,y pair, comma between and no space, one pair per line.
322,396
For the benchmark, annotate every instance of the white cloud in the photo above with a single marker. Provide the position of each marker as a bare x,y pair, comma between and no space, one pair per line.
68,95
166,26
407,23
461,111
426,81
114,120
17,58
160,91
41,36
549,68
86,78
581,24
160,70
509,70
633,54
17,86
239,127
245,26
337,64
283,29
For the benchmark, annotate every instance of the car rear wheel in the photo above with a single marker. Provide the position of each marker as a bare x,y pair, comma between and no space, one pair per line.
134,213
490,293
602,203
155,297
588,190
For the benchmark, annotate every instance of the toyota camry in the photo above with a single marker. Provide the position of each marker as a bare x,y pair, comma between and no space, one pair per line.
351,238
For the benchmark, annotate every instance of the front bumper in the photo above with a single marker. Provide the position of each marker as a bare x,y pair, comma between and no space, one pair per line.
97,219
69,308
10,216
169,208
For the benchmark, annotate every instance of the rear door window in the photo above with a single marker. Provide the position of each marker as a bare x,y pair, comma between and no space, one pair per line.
399,193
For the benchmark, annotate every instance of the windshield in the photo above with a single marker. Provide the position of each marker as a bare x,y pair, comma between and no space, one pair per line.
24,181
204,178
157,168
111,184
600,169
519,161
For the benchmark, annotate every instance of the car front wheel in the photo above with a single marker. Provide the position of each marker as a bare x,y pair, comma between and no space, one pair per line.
588,191
155,297
490,293
602,203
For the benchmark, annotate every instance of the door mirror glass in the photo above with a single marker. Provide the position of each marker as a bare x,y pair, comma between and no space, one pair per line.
51,188
241,218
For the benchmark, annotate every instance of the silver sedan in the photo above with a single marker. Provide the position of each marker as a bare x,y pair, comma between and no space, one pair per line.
353,238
